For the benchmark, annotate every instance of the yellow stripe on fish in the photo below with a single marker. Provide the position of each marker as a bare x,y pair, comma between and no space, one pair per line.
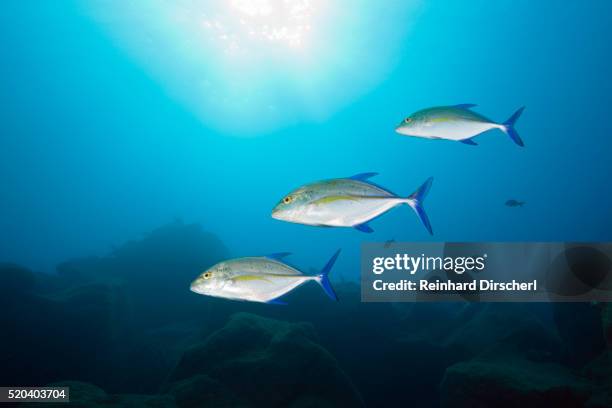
444,119
332,199
249,278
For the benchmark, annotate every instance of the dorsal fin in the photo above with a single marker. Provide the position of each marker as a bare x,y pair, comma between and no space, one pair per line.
465,105
362,176
278,256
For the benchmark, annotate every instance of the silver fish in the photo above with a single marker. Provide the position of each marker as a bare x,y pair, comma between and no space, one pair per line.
457,123
346,202
259,279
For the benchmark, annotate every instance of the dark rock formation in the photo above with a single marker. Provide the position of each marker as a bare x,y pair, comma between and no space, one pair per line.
15,280
520,369
526,368
511,381
89,396
202,391
128,323
606,322
267,363
155,272
580,327
79,332
106,320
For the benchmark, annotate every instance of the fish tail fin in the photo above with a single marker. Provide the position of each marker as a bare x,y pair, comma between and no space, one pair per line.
508,127
416,202
323,277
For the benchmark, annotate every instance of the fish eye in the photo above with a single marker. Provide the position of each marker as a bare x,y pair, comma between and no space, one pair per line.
408,120
207,275
287,199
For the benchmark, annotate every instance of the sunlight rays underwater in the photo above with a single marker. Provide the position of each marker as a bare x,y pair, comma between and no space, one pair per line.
247,68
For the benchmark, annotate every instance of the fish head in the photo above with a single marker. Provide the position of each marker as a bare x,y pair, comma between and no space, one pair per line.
293,206
411,126
212,281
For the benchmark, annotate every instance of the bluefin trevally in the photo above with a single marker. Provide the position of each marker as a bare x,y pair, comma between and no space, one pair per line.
457,122
259,279
388,243
515,203
346,202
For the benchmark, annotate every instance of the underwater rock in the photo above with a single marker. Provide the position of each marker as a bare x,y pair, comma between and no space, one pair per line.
87,395
434,322
580,327
202,391
606,321
155,272
401,360
169,342
418,348
600,399
100,319
15,280
599,373
486,324
522,369
40,336
267,363
346,329
507,376
473,333
79,332
308,401
83,393
105,350
512,382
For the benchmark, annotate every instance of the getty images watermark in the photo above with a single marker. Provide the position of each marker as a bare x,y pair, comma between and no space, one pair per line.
486,272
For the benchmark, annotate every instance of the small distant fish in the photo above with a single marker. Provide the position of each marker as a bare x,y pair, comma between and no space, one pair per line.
259,279
389,243
457,123
514,203
346,202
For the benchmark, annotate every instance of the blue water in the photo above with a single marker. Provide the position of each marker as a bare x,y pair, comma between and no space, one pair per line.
107,133
95,151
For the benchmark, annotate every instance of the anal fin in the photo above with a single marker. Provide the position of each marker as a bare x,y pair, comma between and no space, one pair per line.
364,228
470,142
276,302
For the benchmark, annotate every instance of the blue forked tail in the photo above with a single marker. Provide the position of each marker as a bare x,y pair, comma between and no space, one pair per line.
323,277
509,127
416,202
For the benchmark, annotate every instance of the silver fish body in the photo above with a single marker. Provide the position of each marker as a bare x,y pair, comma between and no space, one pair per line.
257,279
345,202
458,123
